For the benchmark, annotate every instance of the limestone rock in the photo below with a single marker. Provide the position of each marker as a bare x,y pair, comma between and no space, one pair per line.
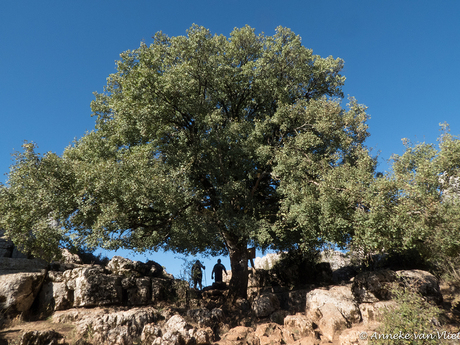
332,310
91,287
121,266
108,326
201,316
176,331
423,282
266,262
20,282
69,258
18,291
342,268
217,314
179,292
54,294
371,312
202,336
264,305
353,337
11,265
161,289
278,316
297,326
125,267
150,333
373,286
49,337
269,334
296,301
240,336
138,290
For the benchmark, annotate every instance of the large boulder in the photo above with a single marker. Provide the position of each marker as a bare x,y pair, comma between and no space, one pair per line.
422,282
176,331
297,326
373,286
150,333
11,265
201,316
356,336
332,310
91,287
269,334
54,294
372,312
49,337
108,326
265,304
136,291
128,268
240,336
20,282
161,289
293,301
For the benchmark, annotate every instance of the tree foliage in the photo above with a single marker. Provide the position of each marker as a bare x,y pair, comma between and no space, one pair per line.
205,143
416,206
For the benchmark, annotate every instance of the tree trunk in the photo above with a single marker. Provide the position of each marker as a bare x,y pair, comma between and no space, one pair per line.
239,262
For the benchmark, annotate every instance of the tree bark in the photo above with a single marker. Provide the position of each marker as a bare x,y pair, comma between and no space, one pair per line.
239,263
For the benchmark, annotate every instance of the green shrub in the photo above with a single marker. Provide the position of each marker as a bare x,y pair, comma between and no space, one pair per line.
413,317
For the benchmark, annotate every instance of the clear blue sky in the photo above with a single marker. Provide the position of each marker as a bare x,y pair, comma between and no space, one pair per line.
402,60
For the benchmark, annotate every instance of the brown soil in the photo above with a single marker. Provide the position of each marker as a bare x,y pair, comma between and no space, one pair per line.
12,333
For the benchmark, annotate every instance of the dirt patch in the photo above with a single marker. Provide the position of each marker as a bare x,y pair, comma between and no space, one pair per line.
12,334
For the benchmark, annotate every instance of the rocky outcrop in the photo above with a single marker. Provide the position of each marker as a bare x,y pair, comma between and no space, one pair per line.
332,310
270,334
240,335
176,331
129,301
49,337
91,287
265,304
20,283
422,282
128,268
297,326
373,286
371,312
108,326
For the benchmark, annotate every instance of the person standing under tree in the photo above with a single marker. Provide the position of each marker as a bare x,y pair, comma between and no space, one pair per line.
217,271
197,275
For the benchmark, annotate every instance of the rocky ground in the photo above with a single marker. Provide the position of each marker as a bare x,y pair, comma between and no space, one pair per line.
129,302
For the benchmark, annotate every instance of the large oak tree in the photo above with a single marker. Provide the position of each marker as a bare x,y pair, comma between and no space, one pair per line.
207,144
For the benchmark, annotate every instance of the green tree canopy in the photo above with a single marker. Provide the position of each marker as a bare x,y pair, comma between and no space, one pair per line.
205,143
416,206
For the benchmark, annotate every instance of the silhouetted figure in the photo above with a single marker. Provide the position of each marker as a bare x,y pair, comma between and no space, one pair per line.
217,271
197,275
